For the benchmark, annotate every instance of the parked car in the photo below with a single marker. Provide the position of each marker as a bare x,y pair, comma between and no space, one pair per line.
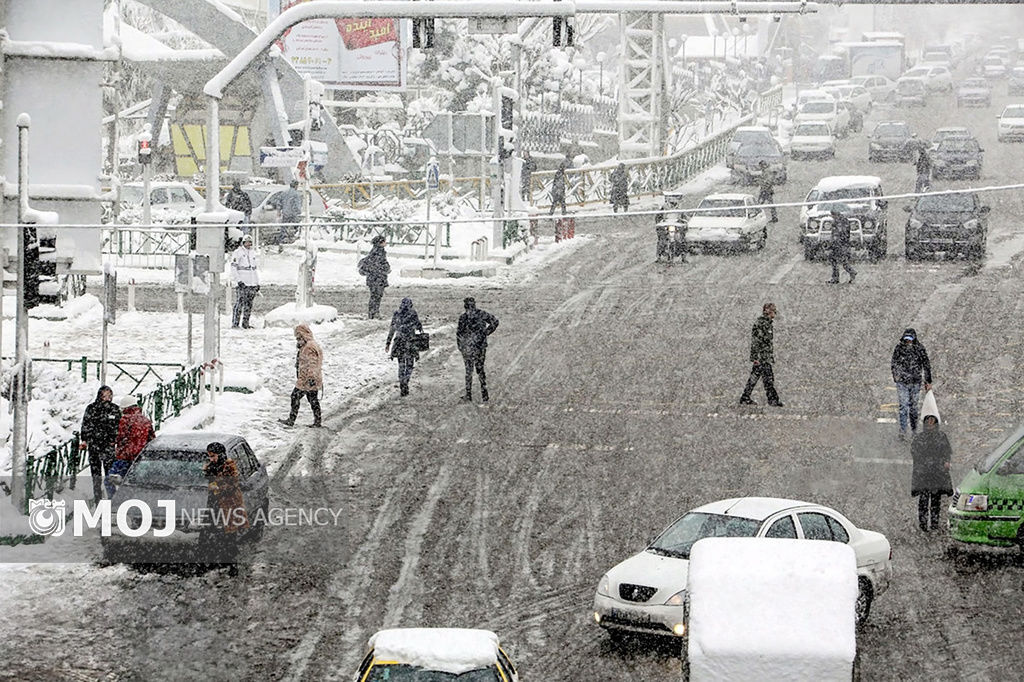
950,223
436,654
856,95
728,220
266,209
1011,123
974,92
812,95
746,161
170,467
937,78
745,134
881,88
856,197
828,111
812,138
1015,84
987,507
911,92
957,157
994,66
949,133
891,140
171,203
647,592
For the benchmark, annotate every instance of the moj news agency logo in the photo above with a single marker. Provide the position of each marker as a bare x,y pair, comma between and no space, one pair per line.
134,518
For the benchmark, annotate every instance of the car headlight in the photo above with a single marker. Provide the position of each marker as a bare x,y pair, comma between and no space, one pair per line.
915,224
874,145
604,586
972,503
971,224
813,225
972,162
868,224
677,599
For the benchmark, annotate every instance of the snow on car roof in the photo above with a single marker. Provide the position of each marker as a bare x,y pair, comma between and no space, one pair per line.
756,508
190,440
449,650
752,129
831,184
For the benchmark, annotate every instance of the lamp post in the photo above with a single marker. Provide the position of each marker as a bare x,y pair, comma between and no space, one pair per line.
735,39
682,52
600,73
579,63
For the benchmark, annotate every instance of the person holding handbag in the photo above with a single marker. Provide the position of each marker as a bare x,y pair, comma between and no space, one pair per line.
309,362
930,479
406,330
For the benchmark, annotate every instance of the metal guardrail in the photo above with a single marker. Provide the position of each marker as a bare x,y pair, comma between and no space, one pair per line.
149,369
354,230
45,475
147,247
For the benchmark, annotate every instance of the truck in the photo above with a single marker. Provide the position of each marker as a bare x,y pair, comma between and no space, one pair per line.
875,58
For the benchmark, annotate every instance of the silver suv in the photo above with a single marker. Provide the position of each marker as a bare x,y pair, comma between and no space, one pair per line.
867,214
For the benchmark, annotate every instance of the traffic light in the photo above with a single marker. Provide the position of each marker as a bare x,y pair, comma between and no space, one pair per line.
31,283
556,32
145,150
426,28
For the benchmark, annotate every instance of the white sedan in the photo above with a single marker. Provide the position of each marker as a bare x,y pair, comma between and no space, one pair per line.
1011,123
936,78
728,220
647,592
812,138
881,88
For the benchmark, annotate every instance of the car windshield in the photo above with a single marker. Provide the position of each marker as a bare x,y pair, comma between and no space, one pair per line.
818,108
1011,444
811,129
721,208
256,196
846,193
168,469
994,60
916,73
975,83
131,195
958,145
1014,112
759,148
408,673
892,130
741,137
947,203
680,536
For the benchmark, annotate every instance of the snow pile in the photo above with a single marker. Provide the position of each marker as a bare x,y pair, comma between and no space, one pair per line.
72,308
771,609
290,315
450,650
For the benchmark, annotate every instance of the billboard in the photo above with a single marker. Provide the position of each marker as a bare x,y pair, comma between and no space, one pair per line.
348,54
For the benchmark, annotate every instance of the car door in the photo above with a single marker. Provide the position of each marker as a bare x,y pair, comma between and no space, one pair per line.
259,480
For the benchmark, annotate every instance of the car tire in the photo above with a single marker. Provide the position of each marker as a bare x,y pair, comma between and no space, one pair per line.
872,158
976,252
832,153
878,251
763,240
809,252
912,251
865,595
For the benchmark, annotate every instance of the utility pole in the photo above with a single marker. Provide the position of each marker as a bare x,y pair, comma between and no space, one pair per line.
22,369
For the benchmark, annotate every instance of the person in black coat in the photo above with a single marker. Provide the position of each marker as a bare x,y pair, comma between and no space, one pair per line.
909,362
930,479
840,253
762,358
620,188
558,188
766,191
99,435
475,326
375,268
404,323
237,199
525,175
924,170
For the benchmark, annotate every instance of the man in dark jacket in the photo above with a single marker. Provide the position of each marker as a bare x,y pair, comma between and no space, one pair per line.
239,200
525,175
620,188
558,189
375,268
924,170
99,435
475,326
840,252
290,203
766,190
909,361
930,479
762,355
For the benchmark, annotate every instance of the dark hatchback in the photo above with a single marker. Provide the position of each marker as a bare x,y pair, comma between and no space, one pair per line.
950,223
974,92
957,157
891,140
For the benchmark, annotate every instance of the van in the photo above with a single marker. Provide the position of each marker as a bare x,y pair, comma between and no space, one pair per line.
988,505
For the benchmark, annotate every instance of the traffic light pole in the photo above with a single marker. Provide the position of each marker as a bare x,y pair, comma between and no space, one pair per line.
21,375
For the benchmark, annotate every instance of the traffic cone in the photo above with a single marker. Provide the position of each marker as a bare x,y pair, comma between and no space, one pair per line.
928,406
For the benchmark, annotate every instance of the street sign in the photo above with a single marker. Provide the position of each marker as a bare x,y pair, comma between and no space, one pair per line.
281,157
489,25
433,176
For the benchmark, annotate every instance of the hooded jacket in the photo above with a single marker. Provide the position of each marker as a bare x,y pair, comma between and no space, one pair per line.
134,432
931,452
375,267
309,361
404,323
100,422
910,360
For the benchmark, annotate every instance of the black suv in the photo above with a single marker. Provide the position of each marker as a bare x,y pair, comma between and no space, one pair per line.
951,223
957,157
891,140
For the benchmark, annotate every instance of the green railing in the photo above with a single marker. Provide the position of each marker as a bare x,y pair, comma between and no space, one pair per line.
45,475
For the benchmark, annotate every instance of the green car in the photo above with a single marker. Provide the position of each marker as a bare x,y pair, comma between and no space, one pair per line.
988,505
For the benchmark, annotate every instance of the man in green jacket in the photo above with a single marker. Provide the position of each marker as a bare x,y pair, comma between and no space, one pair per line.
762,356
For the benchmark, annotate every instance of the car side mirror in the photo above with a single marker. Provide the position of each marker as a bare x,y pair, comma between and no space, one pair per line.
985,210
908,209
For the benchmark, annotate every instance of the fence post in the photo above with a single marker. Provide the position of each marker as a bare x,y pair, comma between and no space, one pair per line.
85,369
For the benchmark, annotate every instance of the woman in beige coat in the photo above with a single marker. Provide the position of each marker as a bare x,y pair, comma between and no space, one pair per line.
309,362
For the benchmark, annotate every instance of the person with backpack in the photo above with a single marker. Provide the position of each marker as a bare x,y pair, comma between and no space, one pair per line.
475,326
909,362
405,323
375,268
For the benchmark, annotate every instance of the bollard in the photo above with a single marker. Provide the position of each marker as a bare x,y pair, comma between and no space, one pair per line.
131,295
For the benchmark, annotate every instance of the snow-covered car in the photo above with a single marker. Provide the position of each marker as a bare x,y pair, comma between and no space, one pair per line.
891,140
994,66
647,592
911,91
974,92
728,220
746,134
746,161
936,78
856,95
170,467
949,133
1015,83
957,157
856,197
951,223
1011,123
881,88
829,111
266,209
812,95
171,203
812,138
436,654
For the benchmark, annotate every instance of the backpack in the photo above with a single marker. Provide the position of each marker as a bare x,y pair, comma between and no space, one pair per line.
363,269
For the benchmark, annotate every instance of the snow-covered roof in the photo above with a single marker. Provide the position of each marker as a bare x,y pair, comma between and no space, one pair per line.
190,440
450,650
752,129
729,196
756,508
835,182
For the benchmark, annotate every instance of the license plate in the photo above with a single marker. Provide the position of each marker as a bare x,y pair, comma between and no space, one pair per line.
630,616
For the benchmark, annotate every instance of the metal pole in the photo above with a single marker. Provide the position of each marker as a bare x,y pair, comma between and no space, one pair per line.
147,178
188,362
21,374
211,321
303,289
103,344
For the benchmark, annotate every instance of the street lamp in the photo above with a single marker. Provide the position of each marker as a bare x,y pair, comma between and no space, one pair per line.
600,77
735,39
579,63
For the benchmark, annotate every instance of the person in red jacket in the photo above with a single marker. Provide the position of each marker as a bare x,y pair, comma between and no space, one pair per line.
133,432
